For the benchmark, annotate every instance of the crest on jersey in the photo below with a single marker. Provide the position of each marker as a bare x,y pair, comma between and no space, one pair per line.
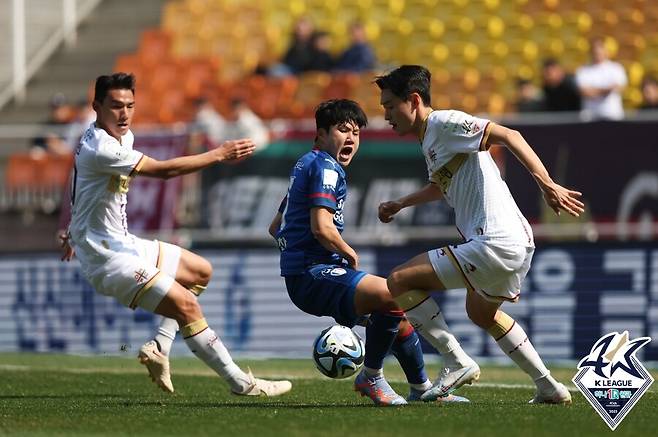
141,275
612,378
469,126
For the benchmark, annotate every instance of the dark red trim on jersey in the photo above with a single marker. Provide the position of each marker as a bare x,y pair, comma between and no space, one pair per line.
322,195
508,299
468,283
137,166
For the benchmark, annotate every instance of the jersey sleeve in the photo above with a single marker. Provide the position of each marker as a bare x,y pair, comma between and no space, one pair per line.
324,179
113,159
461,132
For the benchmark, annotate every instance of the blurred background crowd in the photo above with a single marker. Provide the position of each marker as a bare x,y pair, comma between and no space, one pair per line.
223,69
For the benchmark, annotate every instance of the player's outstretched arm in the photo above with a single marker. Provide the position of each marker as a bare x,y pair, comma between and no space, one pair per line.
426,194
229,151
324,230
555,195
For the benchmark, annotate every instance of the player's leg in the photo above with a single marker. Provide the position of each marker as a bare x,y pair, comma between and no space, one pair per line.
407,350
512,339
372,297
410,284
192,272
181,305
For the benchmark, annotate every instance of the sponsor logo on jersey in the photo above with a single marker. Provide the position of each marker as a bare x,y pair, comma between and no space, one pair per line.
336,271
329,179
611,377
338,215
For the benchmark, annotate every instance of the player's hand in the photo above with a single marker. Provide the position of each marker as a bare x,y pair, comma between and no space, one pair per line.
67,250
560,198
352,259
387,210
235,151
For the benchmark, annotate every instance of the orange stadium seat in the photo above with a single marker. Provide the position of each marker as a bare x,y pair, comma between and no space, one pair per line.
55,172
499,39
154,45
22,172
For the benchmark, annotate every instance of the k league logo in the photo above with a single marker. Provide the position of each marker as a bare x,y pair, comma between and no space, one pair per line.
611,377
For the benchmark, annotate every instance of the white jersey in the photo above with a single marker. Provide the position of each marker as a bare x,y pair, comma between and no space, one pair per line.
102,172
455,149
606,74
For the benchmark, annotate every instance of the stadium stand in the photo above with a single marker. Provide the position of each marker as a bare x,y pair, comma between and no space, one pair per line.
479,47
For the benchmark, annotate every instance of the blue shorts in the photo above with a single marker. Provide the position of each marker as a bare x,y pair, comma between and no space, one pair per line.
326,290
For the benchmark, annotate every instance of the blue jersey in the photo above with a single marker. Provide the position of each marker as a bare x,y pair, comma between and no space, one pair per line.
317,180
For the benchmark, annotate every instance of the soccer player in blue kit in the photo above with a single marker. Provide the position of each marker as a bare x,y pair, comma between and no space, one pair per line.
321,269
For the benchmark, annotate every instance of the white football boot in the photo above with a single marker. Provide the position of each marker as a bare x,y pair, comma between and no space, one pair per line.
157,364
451,377
558,395
263,387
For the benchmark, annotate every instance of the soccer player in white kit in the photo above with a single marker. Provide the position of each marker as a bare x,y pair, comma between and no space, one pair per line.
498,247
156,276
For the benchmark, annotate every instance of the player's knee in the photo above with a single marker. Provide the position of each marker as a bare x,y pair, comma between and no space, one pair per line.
203,271
396,282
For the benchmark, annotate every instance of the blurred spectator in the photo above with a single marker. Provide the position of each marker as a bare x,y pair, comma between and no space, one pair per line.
529,97
600,84
299,53
649,93
208,121
85,116
359,56
560,90
242,122
321,58
52,140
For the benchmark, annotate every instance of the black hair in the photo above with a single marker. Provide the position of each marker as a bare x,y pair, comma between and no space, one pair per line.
116,81
550,62
405,80
338,111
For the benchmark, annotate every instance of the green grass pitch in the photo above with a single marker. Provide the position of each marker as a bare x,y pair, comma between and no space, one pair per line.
70,395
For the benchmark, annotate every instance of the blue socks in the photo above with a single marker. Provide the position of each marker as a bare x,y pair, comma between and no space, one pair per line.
381,331
407,349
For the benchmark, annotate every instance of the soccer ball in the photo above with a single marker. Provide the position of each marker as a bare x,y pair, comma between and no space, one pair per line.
338,352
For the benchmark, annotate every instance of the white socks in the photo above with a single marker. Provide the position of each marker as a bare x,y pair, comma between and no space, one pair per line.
166,334
427,319
207,346
517,346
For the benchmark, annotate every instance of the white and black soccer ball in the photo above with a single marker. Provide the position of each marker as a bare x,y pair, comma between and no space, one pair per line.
338,352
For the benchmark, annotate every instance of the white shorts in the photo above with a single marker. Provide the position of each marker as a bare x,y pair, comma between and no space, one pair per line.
138,275
493,271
